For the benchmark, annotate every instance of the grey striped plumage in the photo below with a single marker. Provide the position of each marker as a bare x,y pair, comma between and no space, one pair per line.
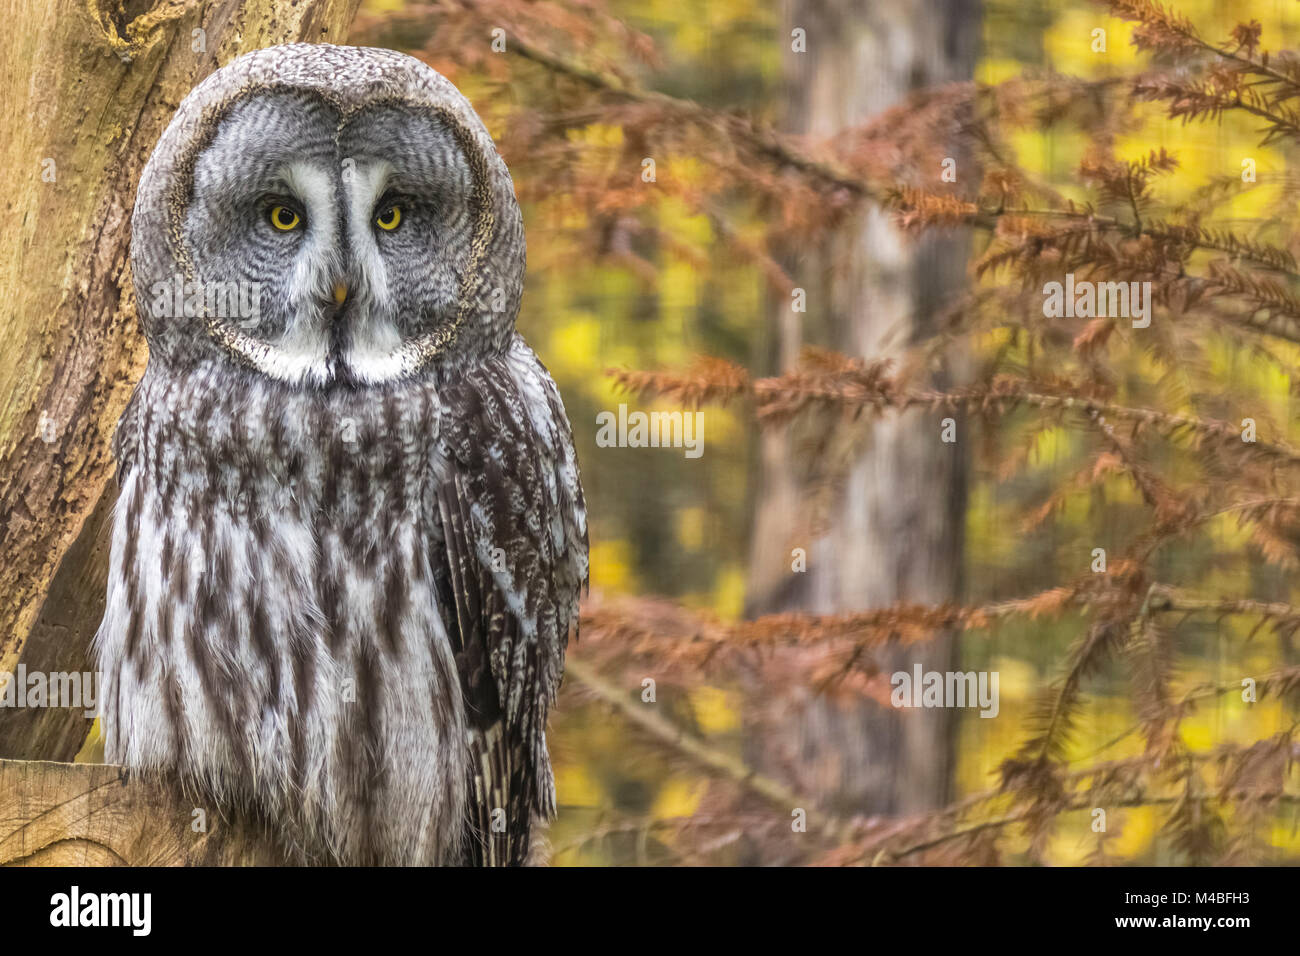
350,536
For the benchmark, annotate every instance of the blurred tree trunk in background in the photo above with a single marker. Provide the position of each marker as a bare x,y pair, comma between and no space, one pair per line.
86,89
892,530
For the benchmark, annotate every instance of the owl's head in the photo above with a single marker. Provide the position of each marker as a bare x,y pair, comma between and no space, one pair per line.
327,216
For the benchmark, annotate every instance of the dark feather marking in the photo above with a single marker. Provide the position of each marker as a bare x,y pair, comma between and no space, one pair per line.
134,626
175,712
397,600
330,606
260,633
373,764
180,570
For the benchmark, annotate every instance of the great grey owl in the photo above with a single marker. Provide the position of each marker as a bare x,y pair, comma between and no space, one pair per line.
350,535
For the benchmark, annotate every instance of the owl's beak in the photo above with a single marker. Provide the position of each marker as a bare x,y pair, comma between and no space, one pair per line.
340,292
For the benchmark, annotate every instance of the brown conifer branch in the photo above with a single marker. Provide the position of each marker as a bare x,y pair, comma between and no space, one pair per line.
1166,600
675,825
650,720
1164,30
1106,777
1169,30
920,209
862,386
885,856
906,201
761,141
627,622
631,622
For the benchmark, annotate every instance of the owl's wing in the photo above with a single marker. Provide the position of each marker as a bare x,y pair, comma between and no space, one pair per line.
515,560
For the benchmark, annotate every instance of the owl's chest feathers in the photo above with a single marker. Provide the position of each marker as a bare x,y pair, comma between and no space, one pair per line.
286,499
272,609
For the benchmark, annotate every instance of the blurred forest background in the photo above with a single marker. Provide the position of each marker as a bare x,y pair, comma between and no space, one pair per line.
796,216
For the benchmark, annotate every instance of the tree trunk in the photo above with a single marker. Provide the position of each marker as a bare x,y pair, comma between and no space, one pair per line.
893,529
87,88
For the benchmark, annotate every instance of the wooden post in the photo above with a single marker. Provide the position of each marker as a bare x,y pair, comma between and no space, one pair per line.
72,814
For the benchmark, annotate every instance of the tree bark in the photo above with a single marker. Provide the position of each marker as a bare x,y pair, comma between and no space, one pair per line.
86,89
892,531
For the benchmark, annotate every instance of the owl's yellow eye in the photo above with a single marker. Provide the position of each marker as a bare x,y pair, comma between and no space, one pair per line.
390,218
284,218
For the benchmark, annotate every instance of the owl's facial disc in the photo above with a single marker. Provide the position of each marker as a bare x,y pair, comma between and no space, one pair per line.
354,230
